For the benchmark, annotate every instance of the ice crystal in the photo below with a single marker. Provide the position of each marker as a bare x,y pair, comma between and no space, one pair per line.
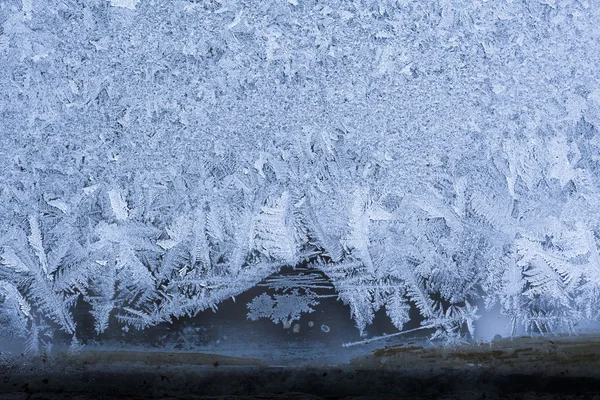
159,158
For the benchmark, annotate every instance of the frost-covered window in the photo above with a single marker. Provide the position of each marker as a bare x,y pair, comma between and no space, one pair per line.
430,161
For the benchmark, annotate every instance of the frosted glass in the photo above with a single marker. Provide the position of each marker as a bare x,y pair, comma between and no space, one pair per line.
319,178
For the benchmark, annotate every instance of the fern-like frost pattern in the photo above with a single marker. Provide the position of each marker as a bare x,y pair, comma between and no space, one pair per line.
431,159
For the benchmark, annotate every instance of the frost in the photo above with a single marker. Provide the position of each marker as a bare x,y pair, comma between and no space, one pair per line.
118,204
129,4
421,158
27,9
284,308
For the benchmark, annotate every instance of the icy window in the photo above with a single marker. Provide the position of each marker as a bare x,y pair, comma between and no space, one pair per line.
433,161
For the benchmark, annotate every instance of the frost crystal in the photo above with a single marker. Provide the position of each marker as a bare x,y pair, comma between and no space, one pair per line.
429,158
284,308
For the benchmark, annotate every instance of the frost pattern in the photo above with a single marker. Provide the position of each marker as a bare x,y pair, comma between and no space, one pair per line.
159,158
284,308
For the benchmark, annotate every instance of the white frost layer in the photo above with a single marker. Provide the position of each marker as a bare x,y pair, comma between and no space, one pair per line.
130,4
